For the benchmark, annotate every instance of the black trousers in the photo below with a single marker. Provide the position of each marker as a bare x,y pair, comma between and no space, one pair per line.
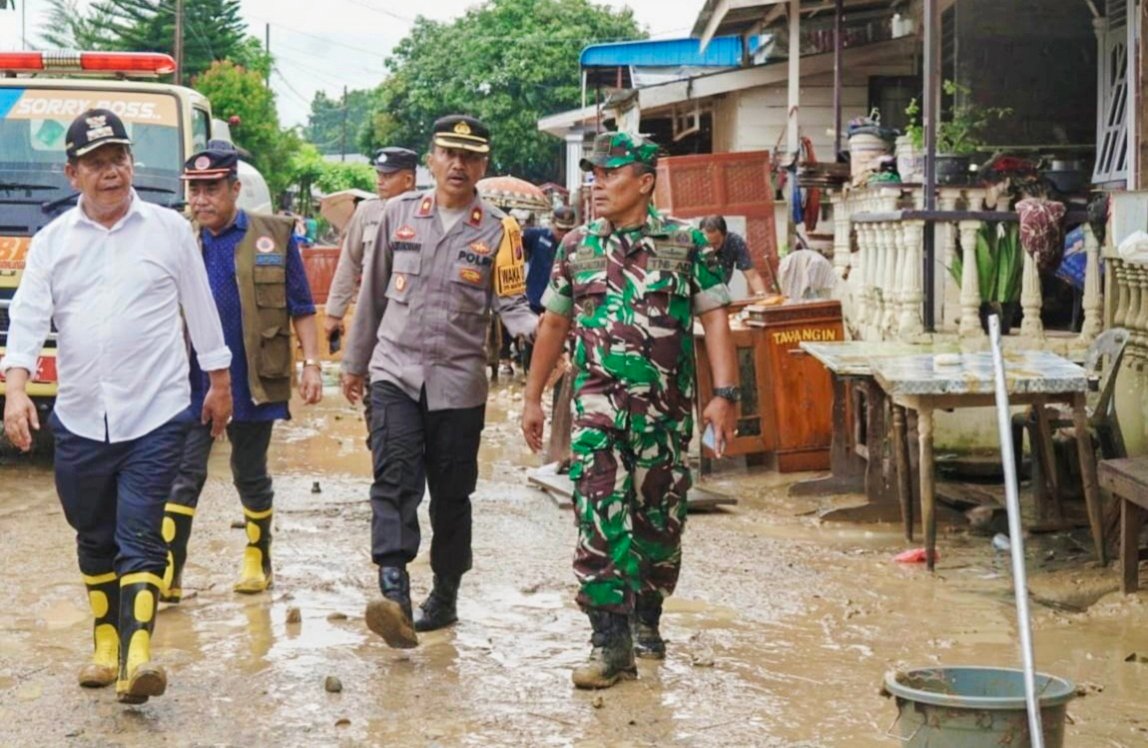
249,443
414,448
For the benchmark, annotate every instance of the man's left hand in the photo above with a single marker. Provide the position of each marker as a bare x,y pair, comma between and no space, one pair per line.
720,413
217,408
311,386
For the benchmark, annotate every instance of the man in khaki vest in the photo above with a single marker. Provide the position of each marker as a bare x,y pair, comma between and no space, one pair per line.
260,289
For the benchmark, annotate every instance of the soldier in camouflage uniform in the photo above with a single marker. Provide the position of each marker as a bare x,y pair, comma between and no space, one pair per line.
627,287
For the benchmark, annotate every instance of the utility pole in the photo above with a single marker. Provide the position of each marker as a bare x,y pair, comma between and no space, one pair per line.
343,146
267,49
178,42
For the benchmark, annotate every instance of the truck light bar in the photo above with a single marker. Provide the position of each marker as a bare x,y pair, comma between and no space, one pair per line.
126,63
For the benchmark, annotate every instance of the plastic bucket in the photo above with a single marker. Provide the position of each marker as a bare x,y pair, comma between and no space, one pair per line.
864,150
971,707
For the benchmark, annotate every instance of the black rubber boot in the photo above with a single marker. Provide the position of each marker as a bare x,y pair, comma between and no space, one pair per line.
441,606
104,598
612,657
177,521
648,642
139,677
390,617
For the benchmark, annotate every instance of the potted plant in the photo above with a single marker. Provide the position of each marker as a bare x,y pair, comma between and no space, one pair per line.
958,137
1000,267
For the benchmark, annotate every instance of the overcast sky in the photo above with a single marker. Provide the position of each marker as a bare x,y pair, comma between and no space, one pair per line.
331,43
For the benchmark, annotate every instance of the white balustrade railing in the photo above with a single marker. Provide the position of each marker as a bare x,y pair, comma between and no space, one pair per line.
885,272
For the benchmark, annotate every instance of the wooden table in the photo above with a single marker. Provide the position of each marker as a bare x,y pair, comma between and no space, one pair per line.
1127,479
1032,378
857,451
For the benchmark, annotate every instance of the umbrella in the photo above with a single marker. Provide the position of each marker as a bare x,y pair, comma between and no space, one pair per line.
511,192
338,207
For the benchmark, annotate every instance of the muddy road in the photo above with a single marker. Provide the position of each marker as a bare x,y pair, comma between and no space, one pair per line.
780,633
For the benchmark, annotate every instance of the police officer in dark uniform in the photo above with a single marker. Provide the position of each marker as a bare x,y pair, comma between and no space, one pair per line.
444,261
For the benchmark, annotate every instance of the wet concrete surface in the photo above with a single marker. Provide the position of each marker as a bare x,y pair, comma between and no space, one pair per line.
780,634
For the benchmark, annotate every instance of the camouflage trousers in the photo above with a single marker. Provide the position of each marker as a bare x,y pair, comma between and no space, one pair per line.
630,501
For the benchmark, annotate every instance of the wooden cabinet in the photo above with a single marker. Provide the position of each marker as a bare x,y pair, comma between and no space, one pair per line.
787,396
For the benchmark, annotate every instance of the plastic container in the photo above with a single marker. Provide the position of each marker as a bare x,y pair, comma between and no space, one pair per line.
864,152
971,707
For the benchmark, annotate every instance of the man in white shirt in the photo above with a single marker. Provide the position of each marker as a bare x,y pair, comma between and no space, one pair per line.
114,274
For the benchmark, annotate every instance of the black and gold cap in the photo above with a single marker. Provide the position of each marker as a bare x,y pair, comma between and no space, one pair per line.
461,131
92,129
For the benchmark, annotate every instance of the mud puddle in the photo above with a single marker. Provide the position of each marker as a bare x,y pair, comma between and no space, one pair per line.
780,634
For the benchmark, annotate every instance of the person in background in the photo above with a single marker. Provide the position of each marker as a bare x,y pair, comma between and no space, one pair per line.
395,170
443,262
119,277
627,287
261,291
540,244
732,252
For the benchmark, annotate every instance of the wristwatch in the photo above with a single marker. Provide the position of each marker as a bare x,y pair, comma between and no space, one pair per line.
311,362
731,393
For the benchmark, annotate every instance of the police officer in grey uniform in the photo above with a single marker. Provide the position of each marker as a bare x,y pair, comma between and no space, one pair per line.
396,169
443,261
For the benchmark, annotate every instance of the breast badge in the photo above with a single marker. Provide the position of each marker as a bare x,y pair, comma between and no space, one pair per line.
400,283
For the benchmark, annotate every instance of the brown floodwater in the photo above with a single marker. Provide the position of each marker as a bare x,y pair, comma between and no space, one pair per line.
780,634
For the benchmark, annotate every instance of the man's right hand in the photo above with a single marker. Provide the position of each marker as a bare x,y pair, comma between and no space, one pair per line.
352,387
20,418
330,324
533,422
217,408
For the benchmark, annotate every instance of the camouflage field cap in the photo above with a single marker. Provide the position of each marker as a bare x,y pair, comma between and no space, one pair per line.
614,149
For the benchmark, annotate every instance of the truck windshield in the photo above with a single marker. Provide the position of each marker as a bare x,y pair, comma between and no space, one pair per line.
33,122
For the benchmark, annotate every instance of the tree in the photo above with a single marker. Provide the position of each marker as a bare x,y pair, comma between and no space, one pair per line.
212,30
325,122
507,62
239,96
68,28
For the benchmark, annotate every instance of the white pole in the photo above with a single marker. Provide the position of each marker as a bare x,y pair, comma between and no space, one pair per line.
794,99
1016,542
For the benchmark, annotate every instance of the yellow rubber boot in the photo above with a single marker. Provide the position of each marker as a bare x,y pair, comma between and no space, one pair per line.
176,532
255,573
139,678
104,599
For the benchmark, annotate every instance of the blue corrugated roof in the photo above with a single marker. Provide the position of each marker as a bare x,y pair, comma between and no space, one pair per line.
725,51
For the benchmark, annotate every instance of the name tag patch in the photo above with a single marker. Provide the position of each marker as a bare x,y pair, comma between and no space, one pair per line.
591,264
475,259
656,264
470,275
406,246
270,260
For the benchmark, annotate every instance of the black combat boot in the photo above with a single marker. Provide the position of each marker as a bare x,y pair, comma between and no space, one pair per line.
612,657
390,617
440,608
648,642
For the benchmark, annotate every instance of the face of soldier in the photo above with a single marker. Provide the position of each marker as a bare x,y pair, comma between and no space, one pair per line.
104,178
394,183
456,171
213,202
622,195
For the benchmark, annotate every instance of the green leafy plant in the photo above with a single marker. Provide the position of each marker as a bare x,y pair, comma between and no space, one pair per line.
1000,262
964,131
